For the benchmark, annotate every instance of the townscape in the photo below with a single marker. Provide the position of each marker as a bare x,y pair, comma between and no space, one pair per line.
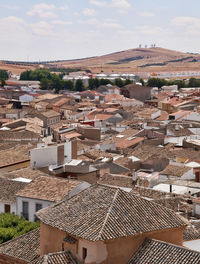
112,174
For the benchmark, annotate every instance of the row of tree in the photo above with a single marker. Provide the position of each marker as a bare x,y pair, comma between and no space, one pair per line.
50,81
157,82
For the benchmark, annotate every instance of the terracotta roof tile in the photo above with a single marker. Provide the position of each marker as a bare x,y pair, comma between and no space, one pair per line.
48,188
64,257
158,252
25,247
102,213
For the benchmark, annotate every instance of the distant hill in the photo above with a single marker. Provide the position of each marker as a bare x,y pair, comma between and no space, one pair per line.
137,60
132,60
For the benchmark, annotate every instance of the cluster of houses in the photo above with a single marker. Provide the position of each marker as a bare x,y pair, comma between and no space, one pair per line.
113,175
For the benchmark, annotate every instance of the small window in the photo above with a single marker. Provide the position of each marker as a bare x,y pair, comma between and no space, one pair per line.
84,253
38,207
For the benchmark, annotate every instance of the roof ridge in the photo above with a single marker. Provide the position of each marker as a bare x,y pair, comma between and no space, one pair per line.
108,213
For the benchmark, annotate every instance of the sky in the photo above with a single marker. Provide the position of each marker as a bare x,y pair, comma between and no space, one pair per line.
41,30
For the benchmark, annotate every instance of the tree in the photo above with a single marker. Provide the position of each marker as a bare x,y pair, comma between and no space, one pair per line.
156,82
119,82
12,226
2,82
79,85
91,85
104,82
68,85
142,81
3,75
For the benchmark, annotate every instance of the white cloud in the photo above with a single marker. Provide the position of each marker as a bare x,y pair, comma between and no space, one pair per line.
147,14
42,28
13,20
121,4
191,24
61,22
98,3
89,12
11,7
186,21
43,10
105,23
149,30
64,7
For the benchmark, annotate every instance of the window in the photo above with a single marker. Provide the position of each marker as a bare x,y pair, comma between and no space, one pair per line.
38,207
25,210
84,253
6,208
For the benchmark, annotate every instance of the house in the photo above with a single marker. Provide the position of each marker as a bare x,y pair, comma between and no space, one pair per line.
42,192
77,169
21,250
108,89
158,252
49,118
8,191
103,225
138,92
175,172
55,154
61,103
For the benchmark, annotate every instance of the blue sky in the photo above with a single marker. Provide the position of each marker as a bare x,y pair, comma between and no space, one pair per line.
65,29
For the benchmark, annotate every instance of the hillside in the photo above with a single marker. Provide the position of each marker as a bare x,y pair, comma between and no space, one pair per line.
138,60
132,60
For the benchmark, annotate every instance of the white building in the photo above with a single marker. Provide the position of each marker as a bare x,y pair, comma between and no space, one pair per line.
44,155
43,192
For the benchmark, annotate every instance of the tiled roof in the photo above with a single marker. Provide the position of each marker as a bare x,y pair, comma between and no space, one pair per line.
64,257
173,170
103,213
48,188
27,173
192,231
50,114
157,252
8,190
25,247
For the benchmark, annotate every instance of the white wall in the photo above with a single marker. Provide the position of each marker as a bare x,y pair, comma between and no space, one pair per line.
67,151
196,209
43,157
26,98
12,207
32,206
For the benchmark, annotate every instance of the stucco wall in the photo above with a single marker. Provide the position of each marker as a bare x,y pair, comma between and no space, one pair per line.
116,251
12,207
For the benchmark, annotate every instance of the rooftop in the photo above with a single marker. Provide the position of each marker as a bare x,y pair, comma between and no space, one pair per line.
102,213
25,247
48,188
64,257
158,252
